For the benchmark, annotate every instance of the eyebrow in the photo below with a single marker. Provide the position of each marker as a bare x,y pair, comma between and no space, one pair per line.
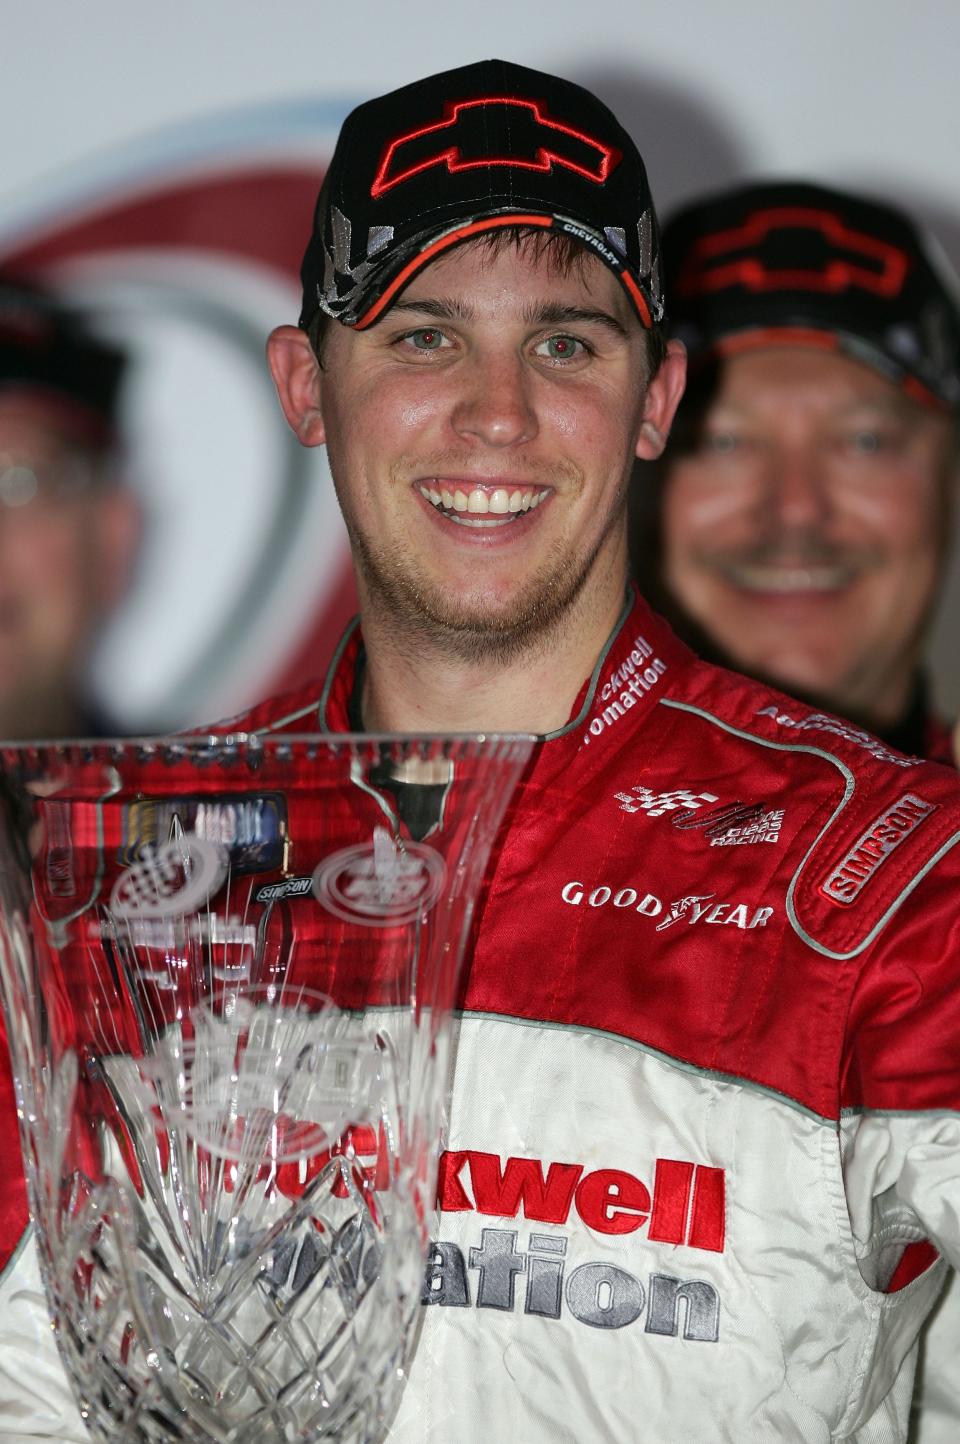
547,314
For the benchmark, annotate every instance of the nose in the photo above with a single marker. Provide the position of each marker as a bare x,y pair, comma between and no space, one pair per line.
496,404
797,490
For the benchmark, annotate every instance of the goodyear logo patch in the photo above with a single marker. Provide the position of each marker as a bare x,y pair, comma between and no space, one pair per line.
884,835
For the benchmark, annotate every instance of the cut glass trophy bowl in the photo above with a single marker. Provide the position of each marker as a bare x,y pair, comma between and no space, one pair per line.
228,965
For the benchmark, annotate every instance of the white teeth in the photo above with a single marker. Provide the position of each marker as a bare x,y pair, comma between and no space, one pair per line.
790,579
478,502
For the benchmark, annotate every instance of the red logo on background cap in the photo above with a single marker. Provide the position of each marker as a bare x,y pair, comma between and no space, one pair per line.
459,145
870,264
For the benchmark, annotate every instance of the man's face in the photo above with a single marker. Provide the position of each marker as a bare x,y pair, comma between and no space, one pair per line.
481,436
803,526
61,561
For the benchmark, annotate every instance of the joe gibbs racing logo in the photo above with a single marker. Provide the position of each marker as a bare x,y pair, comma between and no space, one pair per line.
381,883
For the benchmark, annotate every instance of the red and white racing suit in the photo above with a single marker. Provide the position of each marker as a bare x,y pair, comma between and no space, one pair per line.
702,1176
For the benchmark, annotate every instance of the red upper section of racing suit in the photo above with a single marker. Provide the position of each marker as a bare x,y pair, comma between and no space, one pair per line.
742,916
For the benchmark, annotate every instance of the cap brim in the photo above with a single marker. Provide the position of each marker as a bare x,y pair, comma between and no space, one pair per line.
454,237
760,338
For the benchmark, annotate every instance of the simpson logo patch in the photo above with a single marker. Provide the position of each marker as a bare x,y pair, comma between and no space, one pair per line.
286,887
873,847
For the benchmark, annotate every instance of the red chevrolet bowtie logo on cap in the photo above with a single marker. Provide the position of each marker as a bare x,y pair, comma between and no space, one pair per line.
863,261
494,130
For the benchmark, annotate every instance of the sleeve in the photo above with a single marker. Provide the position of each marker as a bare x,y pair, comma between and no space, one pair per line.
935,1412
900,1095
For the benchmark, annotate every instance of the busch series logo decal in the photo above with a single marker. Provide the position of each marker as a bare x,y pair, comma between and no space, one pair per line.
251,826
870,851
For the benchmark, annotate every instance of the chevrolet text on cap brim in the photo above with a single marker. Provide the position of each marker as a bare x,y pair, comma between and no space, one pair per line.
487,146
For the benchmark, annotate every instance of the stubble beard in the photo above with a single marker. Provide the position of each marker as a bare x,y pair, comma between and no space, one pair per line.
423,617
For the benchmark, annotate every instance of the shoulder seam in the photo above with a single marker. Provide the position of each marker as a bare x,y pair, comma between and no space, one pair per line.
902,895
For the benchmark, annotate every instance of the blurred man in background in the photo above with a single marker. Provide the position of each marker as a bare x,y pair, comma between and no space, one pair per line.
802,514
68,528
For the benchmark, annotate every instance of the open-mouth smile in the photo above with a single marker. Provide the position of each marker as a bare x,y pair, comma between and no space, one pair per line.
481,506
788,580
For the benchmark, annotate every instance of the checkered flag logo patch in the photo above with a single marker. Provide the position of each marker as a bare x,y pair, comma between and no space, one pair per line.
655,804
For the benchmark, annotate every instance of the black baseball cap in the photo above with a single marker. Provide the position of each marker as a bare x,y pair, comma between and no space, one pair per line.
47,346
794,263
446,158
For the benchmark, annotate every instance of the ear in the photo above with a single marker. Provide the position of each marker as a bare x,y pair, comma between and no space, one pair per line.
661,401
298,378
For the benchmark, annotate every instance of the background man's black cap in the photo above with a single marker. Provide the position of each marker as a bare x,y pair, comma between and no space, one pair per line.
802,264
48,346
488,145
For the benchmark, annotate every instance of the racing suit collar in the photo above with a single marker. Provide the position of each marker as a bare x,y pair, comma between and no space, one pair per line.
640,650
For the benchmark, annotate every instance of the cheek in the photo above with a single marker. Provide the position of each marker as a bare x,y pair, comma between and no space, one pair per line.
904,516
382,419
415,414
41,559
697,506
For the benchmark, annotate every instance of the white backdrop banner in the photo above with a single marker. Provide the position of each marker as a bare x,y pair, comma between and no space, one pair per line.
163,163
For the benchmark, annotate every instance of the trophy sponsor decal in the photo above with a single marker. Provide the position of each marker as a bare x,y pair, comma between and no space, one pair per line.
170,881
284,887
381,883
252,827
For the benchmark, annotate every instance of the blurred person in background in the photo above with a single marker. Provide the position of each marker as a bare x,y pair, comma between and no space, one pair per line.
68,528
801,518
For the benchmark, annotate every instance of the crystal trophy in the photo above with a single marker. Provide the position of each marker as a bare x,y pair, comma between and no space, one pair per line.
229,966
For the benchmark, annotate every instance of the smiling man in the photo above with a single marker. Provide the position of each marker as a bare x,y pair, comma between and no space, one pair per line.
800,520
696,1184
480,435
802,515
681,1193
